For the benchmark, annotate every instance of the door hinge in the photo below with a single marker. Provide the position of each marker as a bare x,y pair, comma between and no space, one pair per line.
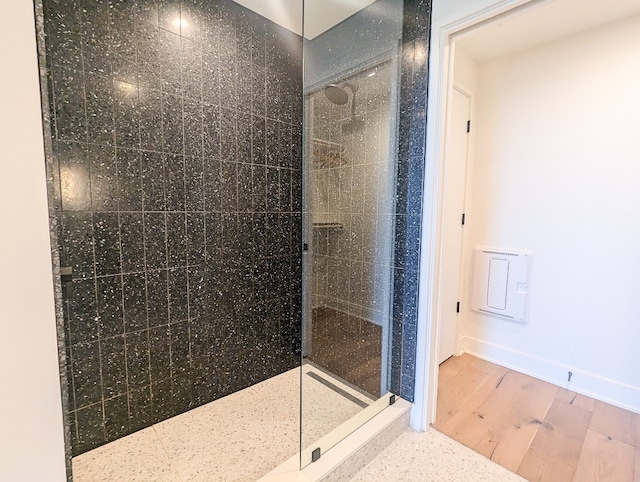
463,218
468,126
458,307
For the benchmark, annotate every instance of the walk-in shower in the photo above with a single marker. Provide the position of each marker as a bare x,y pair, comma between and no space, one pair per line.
224,215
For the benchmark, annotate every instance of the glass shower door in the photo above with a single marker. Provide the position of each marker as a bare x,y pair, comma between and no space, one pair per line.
351,91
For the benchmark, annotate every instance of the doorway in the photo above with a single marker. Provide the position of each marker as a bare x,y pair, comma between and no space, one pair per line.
515,21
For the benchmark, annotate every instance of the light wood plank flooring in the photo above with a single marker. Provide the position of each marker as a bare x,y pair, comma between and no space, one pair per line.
538,430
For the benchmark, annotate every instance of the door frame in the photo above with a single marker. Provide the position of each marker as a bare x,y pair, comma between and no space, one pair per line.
441,57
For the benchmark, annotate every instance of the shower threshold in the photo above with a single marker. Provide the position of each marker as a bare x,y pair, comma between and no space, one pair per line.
353,452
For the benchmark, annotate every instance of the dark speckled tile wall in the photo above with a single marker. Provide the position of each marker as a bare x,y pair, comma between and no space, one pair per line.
414,70
177,134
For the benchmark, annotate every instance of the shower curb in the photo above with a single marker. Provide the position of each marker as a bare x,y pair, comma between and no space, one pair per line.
352,454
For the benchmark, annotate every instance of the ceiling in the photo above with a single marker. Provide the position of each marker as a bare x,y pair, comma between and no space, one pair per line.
534,24
319,15
539,23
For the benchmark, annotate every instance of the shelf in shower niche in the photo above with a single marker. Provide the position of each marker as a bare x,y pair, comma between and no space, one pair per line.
328,226
327,154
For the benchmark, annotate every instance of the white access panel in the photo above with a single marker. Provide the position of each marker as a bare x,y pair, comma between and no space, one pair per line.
501,282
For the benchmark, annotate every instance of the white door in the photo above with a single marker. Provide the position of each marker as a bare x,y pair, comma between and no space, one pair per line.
455,178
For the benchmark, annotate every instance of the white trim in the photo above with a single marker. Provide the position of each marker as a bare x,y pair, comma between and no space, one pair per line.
425,394
464,90
583,382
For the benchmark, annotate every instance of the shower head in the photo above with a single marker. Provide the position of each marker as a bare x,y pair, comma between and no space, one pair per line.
336,94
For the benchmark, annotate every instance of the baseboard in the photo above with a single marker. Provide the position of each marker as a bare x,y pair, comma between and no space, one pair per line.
583,382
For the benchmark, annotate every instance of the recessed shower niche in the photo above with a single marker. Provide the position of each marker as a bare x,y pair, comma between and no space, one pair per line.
226,218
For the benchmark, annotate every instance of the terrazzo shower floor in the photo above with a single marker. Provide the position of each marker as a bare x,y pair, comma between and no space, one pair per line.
240,437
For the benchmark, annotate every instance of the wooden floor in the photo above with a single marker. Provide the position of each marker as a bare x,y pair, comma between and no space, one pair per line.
533,428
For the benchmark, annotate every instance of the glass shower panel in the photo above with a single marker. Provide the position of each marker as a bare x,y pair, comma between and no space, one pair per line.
351,91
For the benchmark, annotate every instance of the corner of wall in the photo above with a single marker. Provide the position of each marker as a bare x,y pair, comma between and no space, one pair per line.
32,443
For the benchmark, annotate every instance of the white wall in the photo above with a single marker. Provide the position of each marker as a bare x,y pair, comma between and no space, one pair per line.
465,72
31,441
557,171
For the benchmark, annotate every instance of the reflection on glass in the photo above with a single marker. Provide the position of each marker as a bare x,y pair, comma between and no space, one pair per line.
350,200
349,175
75,187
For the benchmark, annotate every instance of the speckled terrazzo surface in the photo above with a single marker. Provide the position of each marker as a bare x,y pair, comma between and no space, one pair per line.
240,437
228,439
324,409
432,456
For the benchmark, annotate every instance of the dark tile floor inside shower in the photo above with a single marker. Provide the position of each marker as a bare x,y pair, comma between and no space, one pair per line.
349,347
